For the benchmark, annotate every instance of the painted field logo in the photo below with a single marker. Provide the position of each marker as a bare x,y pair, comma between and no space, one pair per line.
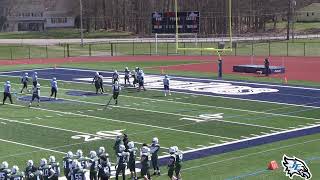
295,167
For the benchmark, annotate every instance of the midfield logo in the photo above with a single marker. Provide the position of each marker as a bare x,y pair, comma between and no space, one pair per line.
295,167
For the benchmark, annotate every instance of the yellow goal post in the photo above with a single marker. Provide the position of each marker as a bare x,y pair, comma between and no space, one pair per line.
213,49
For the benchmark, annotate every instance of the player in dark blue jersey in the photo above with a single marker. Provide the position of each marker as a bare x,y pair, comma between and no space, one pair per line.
132,160
55,166
16,174
67,165
4,171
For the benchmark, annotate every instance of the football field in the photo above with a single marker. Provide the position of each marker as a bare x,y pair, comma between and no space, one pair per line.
226,129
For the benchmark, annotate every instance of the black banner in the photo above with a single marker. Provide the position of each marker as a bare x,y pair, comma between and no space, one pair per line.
165,23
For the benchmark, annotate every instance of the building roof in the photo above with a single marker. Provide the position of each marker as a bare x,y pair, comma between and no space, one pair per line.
311,7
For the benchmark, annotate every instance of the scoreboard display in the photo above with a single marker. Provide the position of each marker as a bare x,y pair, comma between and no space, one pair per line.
165,23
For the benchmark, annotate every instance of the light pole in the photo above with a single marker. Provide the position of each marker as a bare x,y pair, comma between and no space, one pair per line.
81,22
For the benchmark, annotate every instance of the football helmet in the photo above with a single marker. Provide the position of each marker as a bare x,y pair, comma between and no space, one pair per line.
79,153
93,154
52,159
155,140
101,150
131,144
30,163
122,148
14,169
69,154
43,162
4,165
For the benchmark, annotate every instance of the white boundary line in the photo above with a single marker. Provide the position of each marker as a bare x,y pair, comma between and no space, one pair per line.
27,145
247,155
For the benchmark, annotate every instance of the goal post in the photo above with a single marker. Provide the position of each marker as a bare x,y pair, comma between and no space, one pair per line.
217,50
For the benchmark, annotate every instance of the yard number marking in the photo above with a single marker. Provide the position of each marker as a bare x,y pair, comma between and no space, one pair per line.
99,135
205,117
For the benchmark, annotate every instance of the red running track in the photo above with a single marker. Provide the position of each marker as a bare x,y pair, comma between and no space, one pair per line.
297,68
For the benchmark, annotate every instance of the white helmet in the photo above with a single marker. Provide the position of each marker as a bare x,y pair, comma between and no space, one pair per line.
155,140
176,148
127,68
4,165
131,144
122,148
30,163
115,71
54,79
26,74
101,150
38,85
172,150
69,154
166,76
14,169
97,73
145,150
35,73
8,82
43,162
79,153
93,154
52,159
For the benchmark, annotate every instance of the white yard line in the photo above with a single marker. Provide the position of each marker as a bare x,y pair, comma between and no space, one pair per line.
210,106
176,114
27,145
126,122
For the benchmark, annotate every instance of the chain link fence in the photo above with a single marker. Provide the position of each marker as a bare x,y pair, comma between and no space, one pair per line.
268,48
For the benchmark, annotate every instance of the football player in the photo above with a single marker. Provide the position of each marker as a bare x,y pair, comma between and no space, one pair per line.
93,165
171,163
31,171
54,88
154,149
125,141
7,92
115,76
4,171
101,83
134,76
55,166
46,172
81,159
122,160
132,160
104,169
179,157
103,159
145,163
24,81
127,76
97,80
116,88
117,144
35,79
166,83
15,174
77,172
140,77
67,165
35,94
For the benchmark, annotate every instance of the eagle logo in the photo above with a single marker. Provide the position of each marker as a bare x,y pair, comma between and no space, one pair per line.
294,166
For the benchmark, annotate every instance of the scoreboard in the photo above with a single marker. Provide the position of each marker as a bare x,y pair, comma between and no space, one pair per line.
165,23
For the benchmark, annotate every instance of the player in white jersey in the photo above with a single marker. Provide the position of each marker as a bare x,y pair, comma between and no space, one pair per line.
116,88
7,92
35,94
35,79
54,88
166,85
